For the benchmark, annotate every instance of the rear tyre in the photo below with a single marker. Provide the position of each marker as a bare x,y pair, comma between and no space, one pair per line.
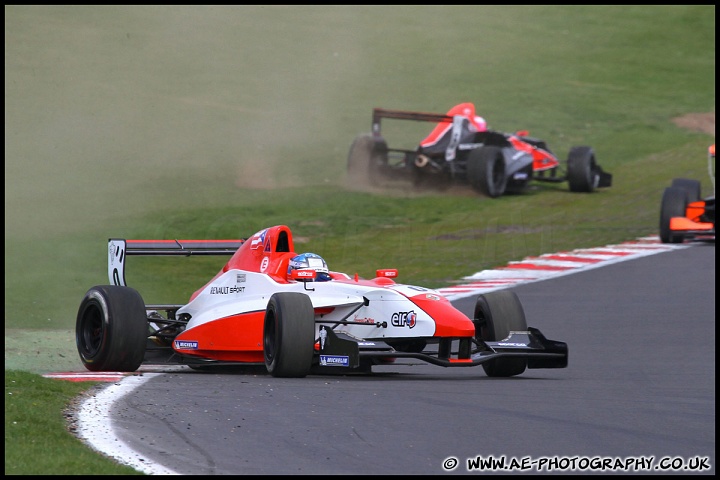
496,315
289,335
486,171
581,170
691,186
674,204
367,159
111,329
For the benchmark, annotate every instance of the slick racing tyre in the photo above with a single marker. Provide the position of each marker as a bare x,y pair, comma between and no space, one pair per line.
111,329
691,186
581,170
496,315
674,204
289,335
367,159
486,171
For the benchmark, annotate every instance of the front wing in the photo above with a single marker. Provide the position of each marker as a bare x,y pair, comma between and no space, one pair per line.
341,350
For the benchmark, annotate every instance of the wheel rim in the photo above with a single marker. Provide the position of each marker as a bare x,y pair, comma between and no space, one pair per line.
92,331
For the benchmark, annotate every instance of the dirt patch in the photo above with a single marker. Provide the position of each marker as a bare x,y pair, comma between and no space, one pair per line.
697,122
41,351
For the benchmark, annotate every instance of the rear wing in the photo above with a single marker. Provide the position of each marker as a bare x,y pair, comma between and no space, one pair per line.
119,249
456,124
380,113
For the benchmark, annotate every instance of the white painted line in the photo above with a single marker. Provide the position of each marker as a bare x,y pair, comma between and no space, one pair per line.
97,431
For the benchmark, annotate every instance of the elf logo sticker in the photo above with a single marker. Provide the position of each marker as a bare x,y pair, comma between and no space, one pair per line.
404,319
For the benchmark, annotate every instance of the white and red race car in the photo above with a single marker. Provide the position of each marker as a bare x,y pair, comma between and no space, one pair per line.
257,310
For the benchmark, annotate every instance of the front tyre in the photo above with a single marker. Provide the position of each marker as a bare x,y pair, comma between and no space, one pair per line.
496,315
289,335
691,186
582,170
111,329
674,204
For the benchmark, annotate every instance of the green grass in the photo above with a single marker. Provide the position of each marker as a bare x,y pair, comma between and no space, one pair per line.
215,122
37,438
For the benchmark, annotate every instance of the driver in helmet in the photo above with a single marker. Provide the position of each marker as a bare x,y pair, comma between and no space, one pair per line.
442,130
310,261
479,123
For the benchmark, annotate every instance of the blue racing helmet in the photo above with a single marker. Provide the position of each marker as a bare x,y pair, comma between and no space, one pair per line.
310,261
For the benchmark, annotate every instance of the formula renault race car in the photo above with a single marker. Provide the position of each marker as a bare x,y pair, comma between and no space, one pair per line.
684,214
257,310
456,151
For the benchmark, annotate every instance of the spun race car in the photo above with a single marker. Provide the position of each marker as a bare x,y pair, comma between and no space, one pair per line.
491,162
258,311
684,214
